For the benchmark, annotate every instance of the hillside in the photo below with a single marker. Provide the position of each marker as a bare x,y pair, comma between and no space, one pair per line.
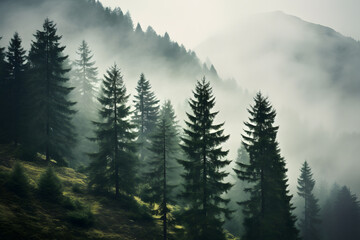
111,33
35,218
311,73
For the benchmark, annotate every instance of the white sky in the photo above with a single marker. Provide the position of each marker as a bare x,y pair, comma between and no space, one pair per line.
192,21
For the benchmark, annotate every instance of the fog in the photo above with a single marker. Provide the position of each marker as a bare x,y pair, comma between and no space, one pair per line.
183,19
308,72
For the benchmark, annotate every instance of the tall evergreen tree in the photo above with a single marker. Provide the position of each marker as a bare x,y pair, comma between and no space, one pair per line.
3,96
164,149
145,115
51,110
204,175
236,194
16,70
268,211
347,215
341,215
84,80
113,165
308,225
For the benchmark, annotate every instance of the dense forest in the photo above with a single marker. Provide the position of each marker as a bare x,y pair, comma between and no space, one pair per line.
71,140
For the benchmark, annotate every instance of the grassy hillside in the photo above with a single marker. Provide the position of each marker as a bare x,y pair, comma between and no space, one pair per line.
77,215
35,218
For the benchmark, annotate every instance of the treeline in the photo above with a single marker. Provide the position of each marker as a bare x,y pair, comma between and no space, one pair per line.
45,108
138,48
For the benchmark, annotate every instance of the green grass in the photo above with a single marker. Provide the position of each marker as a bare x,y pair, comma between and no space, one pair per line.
79,215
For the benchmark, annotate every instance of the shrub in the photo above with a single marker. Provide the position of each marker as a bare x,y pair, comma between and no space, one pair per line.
18,181
82,217
70,204
76,188
50,187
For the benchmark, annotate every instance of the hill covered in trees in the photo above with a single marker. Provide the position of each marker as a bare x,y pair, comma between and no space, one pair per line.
148,158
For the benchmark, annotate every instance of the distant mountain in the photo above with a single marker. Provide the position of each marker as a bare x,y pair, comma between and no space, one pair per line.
298,50
111,33
311,74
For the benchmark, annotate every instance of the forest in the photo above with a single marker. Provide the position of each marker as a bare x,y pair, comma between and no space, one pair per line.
73,142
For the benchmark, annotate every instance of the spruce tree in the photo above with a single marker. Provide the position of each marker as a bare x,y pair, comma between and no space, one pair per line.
341,215
49,186
145,114
18,182
308,225
164,149
50,110
84,80
3,97
113,165
16,74
268,211
204,175
236,194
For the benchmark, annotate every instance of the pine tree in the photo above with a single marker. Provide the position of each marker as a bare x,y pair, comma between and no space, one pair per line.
204,175
16,73
164,149
268,211
3,97
113,165
328,221
18,182
308,225
50,187
236,194
347,215
341,215
85,80
50,110
145,115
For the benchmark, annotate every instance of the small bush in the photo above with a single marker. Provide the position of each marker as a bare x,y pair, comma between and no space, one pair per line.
82,218
50,187
70,204
76,188
18,182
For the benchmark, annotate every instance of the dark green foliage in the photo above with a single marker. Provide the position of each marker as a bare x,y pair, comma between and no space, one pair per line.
204,175
145,114
50,108
49,186
268,210
236,194
76,188
3,97
84,79
79,214
164,148
308,225
341,215
70,204
13,88
113,165
18,182
81,217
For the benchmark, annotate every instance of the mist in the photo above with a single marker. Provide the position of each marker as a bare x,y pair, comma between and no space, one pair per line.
309,72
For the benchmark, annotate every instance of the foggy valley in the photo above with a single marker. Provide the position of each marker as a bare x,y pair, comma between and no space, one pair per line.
305,77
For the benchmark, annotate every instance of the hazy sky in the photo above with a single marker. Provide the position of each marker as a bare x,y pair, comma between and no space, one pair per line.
192,21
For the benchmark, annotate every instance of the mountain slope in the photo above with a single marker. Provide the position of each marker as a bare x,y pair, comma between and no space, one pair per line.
311,75
35,218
